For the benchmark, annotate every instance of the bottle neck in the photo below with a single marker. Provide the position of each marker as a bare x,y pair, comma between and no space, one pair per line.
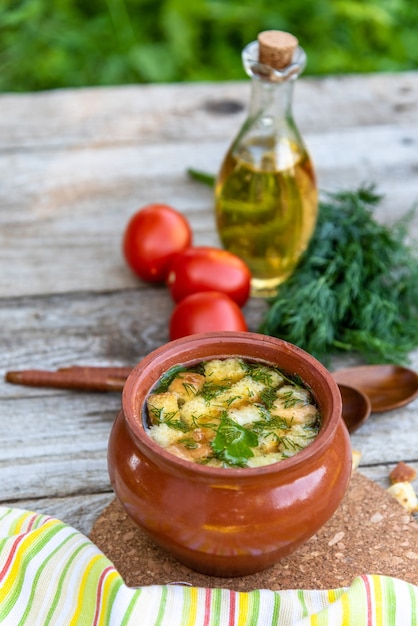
272,92
270,102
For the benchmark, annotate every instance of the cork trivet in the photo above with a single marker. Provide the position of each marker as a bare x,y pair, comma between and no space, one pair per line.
370,533
276,48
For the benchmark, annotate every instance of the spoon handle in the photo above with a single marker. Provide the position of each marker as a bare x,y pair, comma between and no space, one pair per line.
87,378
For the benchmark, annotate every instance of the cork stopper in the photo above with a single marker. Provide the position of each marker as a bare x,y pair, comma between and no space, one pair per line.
276,48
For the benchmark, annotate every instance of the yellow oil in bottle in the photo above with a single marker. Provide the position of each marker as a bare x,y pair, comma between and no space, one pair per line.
266,208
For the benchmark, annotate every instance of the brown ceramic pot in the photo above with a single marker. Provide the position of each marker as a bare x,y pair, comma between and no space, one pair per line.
229,522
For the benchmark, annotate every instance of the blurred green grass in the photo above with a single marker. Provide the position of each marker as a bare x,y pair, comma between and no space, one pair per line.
48,44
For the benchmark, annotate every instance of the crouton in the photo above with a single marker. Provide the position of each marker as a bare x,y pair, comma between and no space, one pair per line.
220,371
402,473
405,494
162,407
186,385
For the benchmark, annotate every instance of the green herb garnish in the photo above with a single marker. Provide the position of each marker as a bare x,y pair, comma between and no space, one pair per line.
290,400
190,444
168,377
260,374
264,427
177,425
289,444
210,390
189,389
232,443
268,397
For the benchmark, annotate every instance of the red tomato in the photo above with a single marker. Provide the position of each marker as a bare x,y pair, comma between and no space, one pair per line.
206,311
209,269
153,236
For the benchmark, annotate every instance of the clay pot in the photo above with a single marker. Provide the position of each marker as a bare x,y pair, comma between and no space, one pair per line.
229,522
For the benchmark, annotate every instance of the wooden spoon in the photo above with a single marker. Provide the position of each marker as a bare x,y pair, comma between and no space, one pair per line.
387,386
356,407
383,387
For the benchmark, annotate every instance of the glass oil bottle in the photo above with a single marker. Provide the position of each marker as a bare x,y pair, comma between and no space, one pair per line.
266,193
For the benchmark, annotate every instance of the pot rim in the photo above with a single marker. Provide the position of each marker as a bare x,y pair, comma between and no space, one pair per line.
186,349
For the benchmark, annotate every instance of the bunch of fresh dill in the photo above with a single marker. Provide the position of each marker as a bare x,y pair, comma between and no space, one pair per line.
355,289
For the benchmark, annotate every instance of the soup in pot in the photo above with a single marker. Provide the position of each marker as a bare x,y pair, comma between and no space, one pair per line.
232,413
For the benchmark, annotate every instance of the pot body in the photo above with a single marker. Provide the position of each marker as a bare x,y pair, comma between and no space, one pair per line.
229,522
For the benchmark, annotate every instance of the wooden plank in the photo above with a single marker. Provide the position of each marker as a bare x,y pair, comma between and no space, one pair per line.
53,443
116,328
155,113
72,206
78,511
386,437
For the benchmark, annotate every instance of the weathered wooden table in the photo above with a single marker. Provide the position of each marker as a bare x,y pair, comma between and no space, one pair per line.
74,165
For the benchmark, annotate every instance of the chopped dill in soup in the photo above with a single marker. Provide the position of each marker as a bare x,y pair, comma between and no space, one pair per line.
231,413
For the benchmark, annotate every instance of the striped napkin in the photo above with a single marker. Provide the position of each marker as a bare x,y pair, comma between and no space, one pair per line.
51,574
